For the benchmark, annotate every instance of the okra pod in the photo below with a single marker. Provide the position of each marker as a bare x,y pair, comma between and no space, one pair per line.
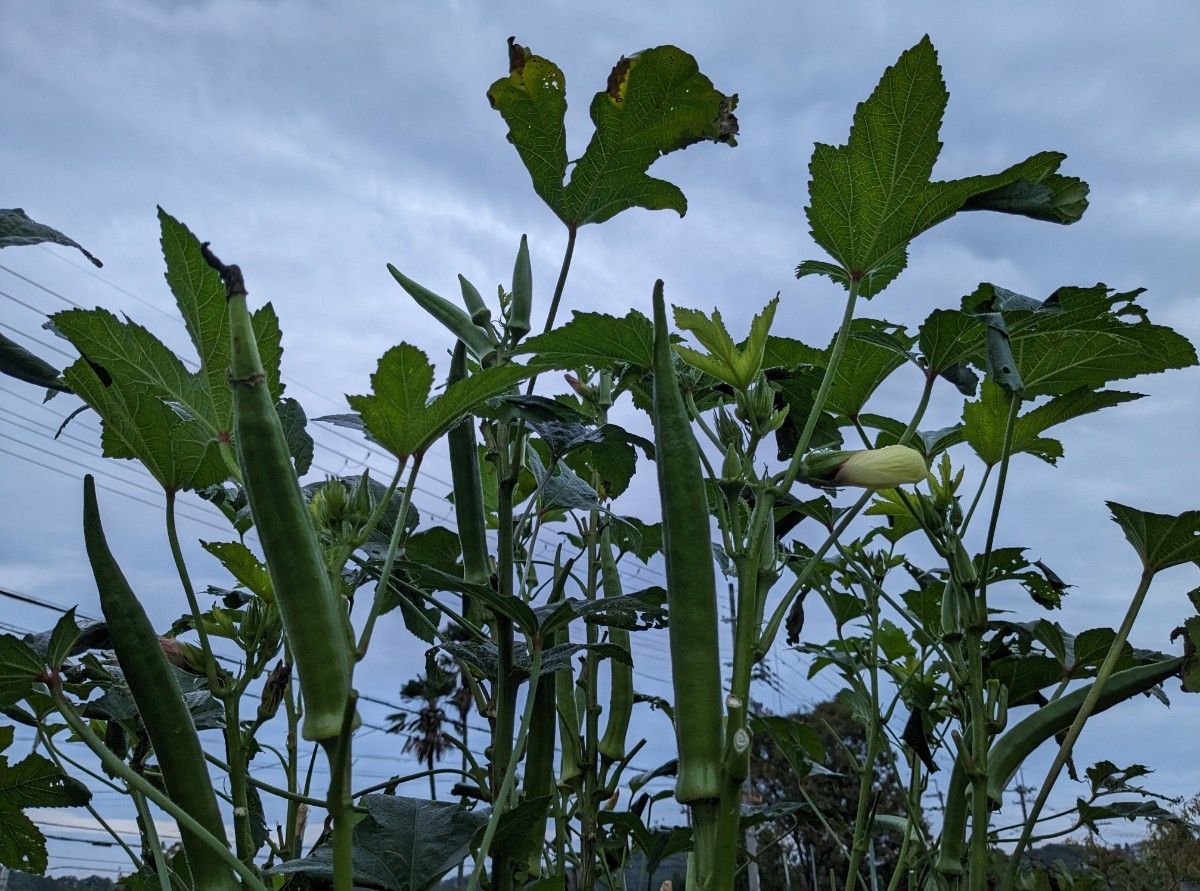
160,703
1011,749
568,718
454,319
468,489
539,760
691,582
312,612
620,691
473,301
522,293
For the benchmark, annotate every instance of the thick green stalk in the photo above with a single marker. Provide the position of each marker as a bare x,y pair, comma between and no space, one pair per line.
235,753
867,768
500,803
1085,712
976,625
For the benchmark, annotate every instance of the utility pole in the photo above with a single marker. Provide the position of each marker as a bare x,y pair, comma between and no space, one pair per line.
1022,790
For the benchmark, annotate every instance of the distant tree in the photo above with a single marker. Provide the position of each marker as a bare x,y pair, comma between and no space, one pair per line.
794,848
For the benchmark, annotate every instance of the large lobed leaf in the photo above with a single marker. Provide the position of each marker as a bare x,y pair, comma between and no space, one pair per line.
870,197
984,420
398,414
594,340
1161,540
152,407
402,844
656,101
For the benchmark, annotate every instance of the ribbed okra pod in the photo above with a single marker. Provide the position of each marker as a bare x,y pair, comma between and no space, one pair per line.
620,691
1022,739
522,293
456,321
691,583
160,703
312,612
468,489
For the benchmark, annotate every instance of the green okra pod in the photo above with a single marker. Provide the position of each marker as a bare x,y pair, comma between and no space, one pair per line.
468,489
313,614
522,293
954,822
691,582
539,760
454,319
568,718
160,703
620,692
1011,749
473,301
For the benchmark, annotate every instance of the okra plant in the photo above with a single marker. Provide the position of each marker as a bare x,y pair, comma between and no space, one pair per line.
771,473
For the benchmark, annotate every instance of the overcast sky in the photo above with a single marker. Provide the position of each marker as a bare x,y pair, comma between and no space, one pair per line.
313,143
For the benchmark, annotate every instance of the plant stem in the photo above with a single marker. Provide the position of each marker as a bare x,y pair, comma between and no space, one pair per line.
338,802
561,284
151,834
210,662
385,575
236,754
976,625
867,768
501,801
140,784
1085,711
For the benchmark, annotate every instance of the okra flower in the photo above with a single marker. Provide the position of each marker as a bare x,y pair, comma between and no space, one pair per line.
882,468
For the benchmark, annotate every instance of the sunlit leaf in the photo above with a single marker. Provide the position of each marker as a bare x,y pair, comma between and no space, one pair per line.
870,197
656,102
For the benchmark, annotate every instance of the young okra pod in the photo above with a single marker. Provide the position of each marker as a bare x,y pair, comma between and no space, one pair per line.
691,582
473,301
159,701
522,293
620,691
468,488
454,319
313,614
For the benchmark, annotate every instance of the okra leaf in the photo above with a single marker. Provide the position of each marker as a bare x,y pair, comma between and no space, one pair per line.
200,297
800,743
656,102
515,825
18,362
243,565
733,364
630,535
22,845
437,547
16,228
401,844
984,421
1161,540
398,413
299,443
870,197
593,340
19,668
1091,814
612,462
948,338
434,579
1079,338
32,782
152,408
633,612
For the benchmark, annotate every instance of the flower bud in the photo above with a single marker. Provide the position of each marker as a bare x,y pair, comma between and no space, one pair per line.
273,690
182,655
883,468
